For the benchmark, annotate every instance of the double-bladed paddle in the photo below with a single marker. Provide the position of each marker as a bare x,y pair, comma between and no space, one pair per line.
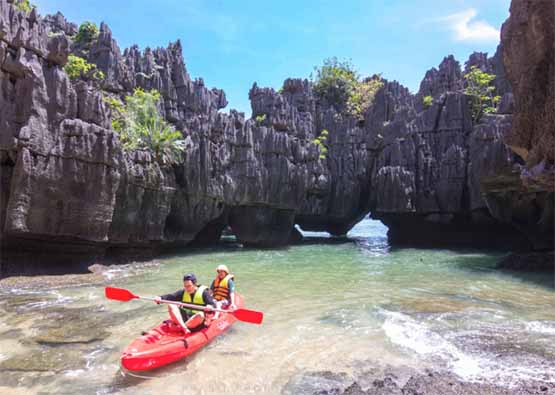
124,295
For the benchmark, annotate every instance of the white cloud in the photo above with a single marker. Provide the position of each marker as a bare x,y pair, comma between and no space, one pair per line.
466,29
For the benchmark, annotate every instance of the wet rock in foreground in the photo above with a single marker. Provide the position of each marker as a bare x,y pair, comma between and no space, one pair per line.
391,383
324,382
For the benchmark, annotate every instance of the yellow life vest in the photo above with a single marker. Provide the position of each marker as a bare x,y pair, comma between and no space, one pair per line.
197,299
221,289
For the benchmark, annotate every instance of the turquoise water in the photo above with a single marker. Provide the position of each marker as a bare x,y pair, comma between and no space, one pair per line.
341,306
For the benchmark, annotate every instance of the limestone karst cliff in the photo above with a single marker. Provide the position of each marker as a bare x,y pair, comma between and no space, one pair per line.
70,194
524,197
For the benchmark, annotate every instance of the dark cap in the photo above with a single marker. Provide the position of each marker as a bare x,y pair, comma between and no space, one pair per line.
191,277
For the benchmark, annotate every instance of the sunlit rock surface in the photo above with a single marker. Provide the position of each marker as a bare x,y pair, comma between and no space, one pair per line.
71,195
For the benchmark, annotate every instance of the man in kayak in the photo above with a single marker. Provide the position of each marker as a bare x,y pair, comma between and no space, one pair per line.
223,288
190,320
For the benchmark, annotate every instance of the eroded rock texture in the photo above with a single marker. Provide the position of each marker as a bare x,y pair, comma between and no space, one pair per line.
524,197
70,194
67,182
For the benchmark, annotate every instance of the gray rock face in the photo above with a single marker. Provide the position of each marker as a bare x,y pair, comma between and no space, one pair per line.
523,196
70,191
447,78
59,24
427,176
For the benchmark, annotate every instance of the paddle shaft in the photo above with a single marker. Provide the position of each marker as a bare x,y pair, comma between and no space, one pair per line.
190,306
124,295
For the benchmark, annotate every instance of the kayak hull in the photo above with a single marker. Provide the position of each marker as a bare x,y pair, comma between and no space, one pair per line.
166,343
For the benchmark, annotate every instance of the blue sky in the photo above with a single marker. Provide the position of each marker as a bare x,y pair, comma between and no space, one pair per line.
233,43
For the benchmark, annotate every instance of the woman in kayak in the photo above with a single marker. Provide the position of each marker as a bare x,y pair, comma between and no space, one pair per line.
223,288
190,320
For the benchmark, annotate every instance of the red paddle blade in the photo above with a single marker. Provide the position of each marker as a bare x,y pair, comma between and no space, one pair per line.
120,294
254,317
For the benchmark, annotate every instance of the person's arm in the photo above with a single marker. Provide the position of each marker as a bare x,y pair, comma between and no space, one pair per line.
231,286
176,296
208,299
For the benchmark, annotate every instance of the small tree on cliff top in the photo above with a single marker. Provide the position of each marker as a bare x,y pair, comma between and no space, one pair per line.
140,125
483,95
24,5
339,84
335,81
88,31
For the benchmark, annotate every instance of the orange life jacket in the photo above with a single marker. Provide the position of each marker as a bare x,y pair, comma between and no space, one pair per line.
221,288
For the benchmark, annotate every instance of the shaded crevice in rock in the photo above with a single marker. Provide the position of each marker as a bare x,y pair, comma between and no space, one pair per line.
211,233
452,230
261,226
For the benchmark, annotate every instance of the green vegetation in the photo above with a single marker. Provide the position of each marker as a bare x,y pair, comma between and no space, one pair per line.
362,96
320,142
118,111
339,84
260,118
483,95
141,126
88,32
24,6
78,67
334,81
427,101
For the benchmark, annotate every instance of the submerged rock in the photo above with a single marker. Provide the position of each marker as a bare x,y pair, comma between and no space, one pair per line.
26,303
324,383
81,332
45,359
532,261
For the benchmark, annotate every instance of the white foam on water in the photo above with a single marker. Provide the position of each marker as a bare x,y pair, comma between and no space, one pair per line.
408,333
541,327
74,373
91,358
128,270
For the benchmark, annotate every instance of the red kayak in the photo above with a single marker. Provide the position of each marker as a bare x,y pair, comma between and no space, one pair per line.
167,342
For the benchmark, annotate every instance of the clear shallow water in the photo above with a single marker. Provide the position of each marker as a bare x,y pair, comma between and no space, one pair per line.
339,307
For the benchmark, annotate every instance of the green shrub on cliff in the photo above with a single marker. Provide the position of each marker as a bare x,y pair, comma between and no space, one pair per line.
118,112
260,118
320,141
478,86
427,101
339,84
78,67
24,6
335,81
362,96
141,126
88,32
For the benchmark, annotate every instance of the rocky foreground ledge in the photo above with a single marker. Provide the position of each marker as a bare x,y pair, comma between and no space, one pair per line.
70,195
405,381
